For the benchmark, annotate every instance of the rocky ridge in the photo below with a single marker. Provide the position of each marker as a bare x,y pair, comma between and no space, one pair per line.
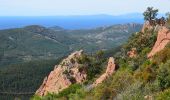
111,67
68,72
63,75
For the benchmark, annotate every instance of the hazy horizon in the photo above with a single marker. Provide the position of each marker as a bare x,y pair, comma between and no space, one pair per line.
69,22
100,14
78,7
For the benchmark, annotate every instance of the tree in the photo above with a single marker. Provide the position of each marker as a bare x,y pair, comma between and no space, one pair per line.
99,54
150,14
168,15
168,18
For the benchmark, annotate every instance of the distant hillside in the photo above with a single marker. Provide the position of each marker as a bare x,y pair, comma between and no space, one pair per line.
18,45
38,42
103,37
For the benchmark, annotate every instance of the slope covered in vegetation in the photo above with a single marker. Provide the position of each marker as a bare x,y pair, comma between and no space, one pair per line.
23,78
138,77
37,42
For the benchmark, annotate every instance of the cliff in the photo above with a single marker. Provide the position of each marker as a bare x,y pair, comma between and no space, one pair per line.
63,75
163,38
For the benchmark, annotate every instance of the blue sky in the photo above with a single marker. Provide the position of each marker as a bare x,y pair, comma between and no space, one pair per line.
78,7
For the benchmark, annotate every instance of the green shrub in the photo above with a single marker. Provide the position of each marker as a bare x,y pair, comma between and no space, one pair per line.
162,56
140,41
84,59
61,95
72,60
99,54
168,19
147,74
113,85
72,79
165,95
164,75
132,92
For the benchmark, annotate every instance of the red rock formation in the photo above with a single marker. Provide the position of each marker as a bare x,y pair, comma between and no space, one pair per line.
109,71
163,39
111,66
148,97
59,78
132,53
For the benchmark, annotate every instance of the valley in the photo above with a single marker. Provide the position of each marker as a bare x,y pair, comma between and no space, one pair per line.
30,53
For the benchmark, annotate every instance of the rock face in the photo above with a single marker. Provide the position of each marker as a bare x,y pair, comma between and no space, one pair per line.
109,71
63,75
163,39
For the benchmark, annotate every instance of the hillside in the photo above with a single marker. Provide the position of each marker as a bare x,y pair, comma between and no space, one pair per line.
103,38
142,71
20,45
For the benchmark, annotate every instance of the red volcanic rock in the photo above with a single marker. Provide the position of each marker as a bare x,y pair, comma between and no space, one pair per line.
111,66
63,75
109,71
163,39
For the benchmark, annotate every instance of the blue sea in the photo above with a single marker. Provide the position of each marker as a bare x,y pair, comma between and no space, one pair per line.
67,22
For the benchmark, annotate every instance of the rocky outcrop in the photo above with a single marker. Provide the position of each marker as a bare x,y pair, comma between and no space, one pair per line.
132,53
147,26
109,71
148,97
163,39
63,75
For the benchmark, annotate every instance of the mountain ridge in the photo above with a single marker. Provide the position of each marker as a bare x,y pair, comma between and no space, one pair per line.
31,42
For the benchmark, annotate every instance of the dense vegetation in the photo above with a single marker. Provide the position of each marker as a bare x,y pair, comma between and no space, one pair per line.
36,42
168,19
23,77
20,45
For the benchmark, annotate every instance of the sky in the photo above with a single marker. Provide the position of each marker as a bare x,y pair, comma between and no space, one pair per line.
78,7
